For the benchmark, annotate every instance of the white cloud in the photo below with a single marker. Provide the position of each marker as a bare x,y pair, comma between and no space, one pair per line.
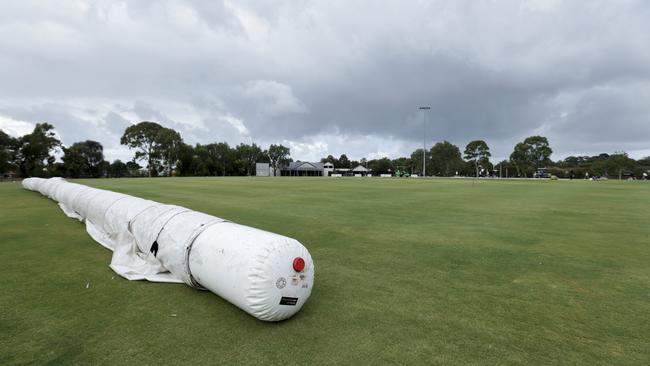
14,127
356,147
273,97
237,123
325,80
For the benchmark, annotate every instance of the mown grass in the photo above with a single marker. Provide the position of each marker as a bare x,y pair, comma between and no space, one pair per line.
407,272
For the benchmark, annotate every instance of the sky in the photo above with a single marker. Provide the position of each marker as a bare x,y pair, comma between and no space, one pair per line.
332,77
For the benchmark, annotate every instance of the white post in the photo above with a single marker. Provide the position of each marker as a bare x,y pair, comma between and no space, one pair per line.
424,140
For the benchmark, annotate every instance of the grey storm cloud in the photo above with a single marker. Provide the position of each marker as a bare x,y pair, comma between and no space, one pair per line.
333,77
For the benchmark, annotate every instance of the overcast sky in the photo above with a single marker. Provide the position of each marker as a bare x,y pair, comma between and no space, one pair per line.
332,77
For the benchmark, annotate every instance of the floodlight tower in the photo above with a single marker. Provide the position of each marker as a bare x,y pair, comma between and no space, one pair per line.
424,139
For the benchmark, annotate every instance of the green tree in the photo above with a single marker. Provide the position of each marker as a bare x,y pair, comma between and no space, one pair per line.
133,168
403,164
478,153
531,154
185,160
645,162
35,150
246,156
364,162
445,159
74,164
615,164
143,137
155,144
505,168
344,162
202,163
519,158
416,161
381,166
330,159
168,148
278,156
118,169
93,151
7,152
84,159
104,168
220,155
539,151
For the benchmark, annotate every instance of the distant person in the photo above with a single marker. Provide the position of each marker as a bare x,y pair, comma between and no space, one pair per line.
571,174
587,175
645,176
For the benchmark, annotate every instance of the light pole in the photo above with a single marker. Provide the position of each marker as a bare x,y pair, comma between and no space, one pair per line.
424,139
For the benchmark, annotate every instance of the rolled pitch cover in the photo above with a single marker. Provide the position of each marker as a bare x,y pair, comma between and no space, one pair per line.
267,275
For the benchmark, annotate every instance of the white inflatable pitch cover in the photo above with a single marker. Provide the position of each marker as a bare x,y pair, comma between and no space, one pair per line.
267,275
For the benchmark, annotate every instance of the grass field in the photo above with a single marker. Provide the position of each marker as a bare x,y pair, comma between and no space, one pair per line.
407,272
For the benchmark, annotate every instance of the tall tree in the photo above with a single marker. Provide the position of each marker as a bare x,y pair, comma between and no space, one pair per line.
185,160
221,156
246,156
539,150
35,150
478,153
519,158
279,156
416,161
143,137
344,162
7,152
202,163
168,148
74,164
445,159
381,166
118,169
403,164
84,159
93,151
531,154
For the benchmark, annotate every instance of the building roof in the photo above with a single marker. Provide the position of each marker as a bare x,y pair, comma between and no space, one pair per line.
304,165
361,168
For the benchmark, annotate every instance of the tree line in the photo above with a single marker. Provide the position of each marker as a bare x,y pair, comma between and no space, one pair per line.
161,151
445,159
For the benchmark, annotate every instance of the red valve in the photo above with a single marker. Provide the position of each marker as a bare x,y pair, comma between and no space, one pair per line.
298,264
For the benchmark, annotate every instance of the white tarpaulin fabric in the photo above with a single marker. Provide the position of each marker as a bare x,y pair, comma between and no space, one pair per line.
267,275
